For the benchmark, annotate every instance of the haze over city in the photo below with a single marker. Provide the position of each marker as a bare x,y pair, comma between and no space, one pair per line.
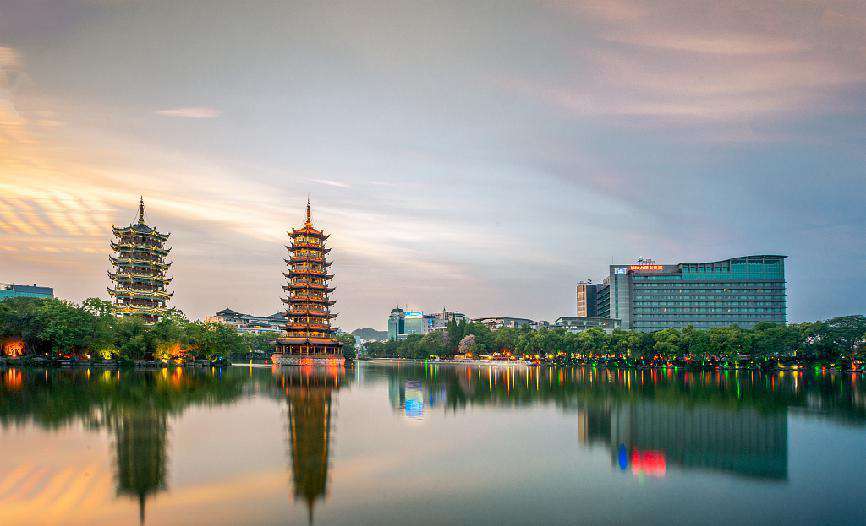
479,156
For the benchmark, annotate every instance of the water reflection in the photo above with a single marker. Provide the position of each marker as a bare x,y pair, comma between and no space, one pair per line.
133,406
650,420
652,424
140,453
309,392
410,397
646,437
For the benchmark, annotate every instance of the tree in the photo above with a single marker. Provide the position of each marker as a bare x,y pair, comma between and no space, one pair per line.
593,342
466,345
483,338
696,343
348,342
132,338
65,328
456,331
214,340
668,343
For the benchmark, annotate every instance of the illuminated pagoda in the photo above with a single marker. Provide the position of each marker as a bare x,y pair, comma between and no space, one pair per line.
139,270
309,338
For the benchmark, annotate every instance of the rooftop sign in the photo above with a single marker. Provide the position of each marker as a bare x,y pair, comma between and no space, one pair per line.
645,268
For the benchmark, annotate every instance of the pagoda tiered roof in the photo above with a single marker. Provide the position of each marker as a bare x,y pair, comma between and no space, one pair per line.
139,229
308,328
308,299
309,246
307,312
139,279
317,273
311,286
142,294
138,263
138,247
307,259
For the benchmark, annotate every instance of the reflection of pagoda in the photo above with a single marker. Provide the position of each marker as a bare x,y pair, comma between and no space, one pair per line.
645,436
308,392
139,281
140,441
309,338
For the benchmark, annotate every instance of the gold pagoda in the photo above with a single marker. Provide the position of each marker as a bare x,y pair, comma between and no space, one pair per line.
139,276
309,338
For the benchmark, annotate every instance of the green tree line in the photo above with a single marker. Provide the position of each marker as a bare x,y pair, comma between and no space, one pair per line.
829,340
56,328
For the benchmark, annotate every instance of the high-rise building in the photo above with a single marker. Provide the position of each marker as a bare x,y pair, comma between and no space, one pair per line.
9,290
739,291
403,323
139,278
586,299
309,337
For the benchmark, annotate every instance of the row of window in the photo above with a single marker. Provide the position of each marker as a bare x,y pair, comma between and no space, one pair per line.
648,305
709,309
722,294
691,300
654,326
706,285
716,315
678,277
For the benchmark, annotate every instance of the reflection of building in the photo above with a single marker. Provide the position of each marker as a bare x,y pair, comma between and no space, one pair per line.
309,337
139,281
649,296
246,323
9,290
412,397
308,392
140,453
741,441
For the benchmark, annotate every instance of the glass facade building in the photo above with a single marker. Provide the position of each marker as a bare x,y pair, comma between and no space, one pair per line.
738,291
9,290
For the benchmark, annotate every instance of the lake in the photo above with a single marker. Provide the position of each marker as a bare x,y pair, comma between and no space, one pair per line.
418,444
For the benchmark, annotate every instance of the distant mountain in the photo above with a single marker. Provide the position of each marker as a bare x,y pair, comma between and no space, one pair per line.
370,334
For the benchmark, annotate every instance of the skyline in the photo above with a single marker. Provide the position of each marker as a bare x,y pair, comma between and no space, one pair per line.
483,157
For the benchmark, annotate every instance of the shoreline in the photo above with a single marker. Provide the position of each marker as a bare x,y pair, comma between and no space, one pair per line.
520,363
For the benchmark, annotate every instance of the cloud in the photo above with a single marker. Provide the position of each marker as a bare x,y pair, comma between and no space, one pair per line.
708,62
8,57
191,112
714,45
336,184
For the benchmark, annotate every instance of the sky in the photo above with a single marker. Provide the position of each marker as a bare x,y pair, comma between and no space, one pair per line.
479,156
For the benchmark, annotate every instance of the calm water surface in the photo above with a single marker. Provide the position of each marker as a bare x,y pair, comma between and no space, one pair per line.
435,444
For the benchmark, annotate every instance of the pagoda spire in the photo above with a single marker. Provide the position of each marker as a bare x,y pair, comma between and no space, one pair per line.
309,221
141,210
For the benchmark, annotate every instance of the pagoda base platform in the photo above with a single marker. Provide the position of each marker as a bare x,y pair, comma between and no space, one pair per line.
304,360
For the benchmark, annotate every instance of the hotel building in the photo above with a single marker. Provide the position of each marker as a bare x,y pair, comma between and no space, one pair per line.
739,291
